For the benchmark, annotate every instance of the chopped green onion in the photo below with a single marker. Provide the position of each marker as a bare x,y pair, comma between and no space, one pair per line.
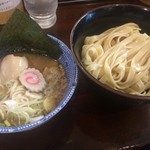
6,122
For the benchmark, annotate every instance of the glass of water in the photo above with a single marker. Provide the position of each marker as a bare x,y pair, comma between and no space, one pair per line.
42,11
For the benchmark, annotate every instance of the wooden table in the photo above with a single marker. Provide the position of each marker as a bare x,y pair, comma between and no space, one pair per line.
91,121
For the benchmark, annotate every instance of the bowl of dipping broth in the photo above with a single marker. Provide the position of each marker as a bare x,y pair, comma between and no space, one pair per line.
34,88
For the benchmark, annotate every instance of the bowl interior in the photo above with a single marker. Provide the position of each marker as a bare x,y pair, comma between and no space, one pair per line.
102,18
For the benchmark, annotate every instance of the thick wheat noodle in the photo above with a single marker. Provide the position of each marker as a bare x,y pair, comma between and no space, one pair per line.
120,58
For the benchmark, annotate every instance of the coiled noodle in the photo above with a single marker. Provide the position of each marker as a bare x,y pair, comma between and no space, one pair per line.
120,58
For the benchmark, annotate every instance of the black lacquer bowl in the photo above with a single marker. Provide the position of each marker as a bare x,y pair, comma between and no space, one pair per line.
100,19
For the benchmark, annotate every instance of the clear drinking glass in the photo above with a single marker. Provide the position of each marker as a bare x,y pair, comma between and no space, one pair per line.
42,11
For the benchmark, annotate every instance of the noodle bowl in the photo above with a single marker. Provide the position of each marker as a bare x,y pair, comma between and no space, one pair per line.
26,102
120,58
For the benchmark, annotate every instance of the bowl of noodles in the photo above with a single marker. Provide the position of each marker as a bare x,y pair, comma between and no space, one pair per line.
111,45
34,87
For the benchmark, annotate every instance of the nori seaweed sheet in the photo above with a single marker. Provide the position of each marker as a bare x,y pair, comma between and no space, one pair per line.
22,33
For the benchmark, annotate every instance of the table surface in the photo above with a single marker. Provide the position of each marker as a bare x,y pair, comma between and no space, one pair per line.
91,120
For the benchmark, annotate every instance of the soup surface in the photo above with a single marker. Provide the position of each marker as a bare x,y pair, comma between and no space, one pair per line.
31,86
